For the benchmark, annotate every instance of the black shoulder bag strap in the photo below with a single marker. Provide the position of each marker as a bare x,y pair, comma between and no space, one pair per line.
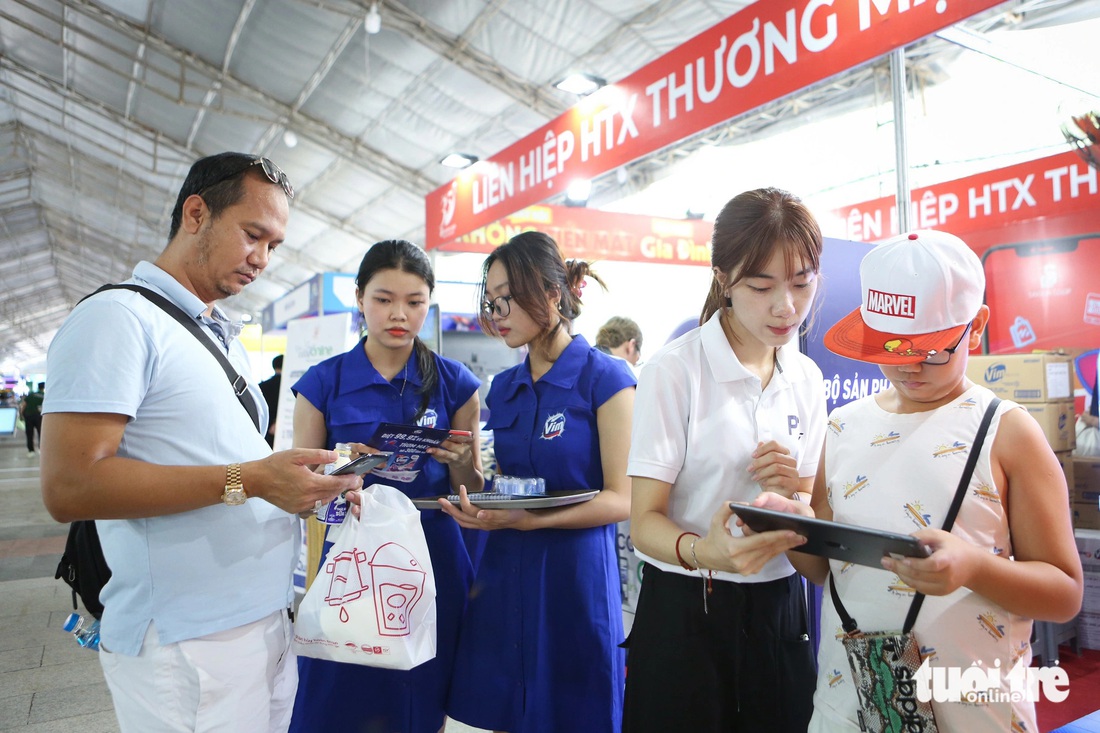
240,385
847,622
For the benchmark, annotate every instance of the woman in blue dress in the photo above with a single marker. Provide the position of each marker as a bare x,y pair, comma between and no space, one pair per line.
391,376
538,649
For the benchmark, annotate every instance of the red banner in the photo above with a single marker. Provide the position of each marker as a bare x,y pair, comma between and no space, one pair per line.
1040,199
760,54
587,234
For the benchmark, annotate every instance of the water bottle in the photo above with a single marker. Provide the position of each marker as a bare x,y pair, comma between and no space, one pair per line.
334,511
343,455
85,630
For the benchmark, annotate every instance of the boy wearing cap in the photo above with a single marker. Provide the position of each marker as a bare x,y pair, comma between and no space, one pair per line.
893,461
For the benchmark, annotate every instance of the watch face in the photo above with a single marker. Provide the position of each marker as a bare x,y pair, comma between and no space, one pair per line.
234,496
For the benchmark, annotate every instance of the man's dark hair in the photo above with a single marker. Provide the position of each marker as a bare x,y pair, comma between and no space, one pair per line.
219,178
277,362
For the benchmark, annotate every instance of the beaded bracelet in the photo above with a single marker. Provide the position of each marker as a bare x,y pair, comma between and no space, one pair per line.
683,563
708,579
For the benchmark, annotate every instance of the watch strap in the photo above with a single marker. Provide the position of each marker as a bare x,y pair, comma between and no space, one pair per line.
233,493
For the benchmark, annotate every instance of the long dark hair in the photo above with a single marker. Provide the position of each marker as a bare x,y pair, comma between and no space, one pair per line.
399,254
748,230
535,267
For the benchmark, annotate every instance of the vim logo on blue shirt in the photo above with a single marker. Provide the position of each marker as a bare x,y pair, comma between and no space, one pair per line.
428,419
554,426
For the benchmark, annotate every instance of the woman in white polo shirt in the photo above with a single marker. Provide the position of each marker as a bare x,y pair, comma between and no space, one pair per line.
725,412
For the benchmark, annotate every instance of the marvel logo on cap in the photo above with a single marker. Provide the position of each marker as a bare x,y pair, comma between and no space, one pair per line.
891,304
920,291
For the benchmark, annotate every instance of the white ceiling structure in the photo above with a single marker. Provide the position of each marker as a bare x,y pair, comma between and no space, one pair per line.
104,104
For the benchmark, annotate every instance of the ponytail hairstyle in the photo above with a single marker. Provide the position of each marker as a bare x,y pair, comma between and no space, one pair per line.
747,232
398,254
535,267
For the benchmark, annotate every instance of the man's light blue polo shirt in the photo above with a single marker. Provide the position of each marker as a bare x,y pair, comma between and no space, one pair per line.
196,572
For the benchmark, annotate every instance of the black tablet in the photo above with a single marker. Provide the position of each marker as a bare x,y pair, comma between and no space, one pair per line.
846,542
362,464
493,500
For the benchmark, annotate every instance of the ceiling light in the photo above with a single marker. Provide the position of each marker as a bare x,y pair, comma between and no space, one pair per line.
290,139
373,21
580,84
578,192
458,160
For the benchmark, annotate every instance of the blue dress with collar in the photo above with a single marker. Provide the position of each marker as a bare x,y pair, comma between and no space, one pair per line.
538,649
355,399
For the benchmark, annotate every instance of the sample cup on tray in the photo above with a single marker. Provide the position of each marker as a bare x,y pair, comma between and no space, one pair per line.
518,486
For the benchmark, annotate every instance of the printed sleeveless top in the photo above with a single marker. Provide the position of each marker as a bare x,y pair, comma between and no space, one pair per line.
899,473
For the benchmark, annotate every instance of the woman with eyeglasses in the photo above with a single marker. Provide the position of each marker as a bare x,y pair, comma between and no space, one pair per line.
728,412
392,376
538,648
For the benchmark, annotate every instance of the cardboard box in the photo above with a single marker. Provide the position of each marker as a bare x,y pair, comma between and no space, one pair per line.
1058,421
1084,498
1066,460
1088,621
1088,630
1088,547
1085,516
1086,480
1024,377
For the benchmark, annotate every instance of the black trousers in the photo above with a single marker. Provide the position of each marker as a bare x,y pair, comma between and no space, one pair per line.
34,425
744,666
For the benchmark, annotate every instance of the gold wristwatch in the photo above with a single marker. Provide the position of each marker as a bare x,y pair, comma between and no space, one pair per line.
234,490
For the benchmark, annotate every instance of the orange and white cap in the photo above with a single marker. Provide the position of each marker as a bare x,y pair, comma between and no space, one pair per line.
920,290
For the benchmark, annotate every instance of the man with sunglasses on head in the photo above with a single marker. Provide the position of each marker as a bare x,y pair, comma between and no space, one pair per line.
144,433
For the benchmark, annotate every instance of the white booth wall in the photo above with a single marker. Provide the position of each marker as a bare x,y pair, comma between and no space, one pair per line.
658,297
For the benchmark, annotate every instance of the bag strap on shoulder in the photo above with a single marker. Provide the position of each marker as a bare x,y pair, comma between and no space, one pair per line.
240,385
847,622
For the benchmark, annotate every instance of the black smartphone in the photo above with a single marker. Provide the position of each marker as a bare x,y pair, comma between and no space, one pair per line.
363,464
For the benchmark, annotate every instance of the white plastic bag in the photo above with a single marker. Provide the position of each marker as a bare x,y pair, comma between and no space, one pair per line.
373,600
1088,439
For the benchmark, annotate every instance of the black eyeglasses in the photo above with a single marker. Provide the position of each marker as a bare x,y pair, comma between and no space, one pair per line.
942,357
500,305
273,172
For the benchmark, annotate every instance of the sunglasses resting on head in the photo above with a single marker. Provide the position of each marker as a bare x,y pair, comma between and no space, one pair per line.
273,172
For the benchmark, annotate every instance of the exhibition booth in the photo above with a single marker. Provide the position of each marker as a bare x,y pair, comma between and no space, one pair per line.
825,99
1035,223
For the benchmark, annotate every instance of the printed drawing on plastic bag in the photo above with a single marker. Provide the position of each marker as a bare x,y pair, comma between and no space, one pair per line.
373,600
